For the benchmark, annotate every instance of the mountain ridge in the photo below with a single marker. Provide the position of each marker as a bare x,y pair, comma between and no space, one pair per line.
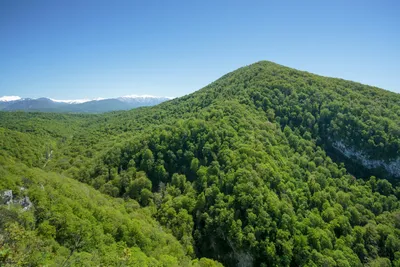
98,105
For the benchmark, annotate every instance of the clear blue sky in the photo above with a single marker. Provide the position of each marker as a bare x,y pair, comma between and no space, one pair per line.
77,49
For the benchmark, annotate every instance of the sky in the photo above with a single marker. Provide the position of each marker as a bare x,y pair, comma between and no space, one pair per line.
87,49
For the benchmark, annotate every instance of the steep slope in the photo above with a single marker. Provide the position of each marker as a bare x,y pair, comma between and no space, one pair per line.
242,191
356,124
349,119
51,220
261,168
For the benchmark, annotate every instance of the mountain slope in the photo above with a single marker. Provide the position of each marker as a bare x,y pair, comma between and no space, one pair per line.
255,169
346,118
70,224
349,120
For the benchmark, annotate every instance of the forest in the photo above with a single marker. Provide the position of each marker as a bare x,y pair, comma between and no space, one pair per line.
266,166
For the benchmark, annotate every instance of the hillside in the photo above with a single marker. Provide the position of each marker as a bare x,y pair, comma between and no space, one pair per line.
67,223
267,166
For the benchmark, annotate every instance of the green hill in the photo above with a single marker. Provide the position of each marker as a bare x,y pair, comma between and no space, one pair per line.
71,224
267,166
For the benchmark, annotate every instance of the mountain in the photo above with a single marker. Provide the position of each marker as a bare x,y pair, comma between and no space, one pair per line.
267,166
40,104
78,106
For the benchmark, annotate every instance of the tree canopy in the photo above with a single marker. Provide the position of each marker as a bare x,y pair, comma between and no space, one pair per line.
267,166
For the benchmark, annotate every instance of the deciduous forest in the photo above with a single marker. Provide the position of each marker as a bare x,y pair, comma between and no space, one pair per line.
266,166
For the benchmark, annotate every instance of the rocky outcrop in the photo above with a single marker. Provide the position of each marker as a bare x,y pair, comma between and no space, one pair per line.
25,203
392,167
7,198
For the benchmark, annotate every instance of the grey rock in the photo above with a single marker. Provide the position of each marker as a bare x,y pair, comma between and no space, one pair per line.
6,197
26,203
392,167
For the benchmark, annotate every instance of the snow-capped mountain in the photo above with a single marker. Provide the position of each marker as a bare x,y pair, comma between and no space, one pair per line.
145,99
9,98
77,101
96,105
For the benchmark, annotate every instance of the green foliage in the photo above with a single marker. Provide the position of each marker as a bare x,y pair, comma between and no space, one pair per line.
73,224
244,171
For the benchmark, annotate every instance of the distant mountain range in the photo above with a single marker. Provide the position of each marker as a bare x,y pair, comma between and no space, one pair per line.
99,105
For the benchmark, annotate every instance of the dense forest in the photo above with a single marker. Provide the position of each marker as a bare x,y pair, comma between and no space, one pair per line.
267,166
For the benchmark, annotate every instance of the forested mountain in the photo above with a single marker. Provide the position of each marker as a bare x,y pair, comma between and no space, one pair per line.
267,166
80,106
